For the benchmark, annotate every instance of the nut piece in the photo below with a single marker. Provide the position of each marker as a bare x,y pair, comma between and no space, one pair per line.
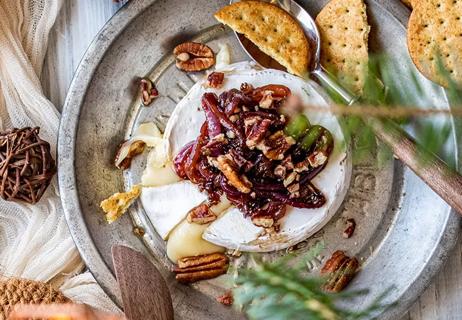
340,270
256,131
226,166
215,80
267,101
117,204
226,299
350,228
263,221
193,56
201,214
276,145
317,159
127,151
192,269
148,91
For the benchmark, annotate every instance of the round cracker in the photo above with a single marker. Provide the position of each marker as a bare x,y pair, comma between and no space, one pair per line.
273,30
435,32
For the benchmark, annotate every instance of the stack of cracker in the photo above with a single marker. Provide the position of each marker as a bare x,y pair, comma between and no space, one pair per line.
344,41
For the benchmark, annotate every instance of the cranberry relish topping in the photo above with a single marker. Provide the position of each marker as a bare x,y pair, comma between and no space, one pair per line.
248,151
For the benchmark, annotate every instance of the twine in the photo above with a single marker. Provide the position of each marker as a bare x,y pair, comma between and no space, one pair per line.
26,165
14,291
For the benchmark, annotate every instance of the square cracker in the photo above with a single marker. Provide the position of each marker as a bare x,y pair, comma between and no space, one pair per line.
344,41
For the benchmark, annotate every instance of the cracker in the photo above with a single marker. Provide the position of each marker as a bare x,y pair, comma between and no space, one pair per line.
273,30
344,41
435,30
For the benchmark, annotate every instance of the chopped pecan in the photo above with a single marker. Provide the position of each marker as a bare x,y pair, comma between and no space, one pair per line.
276,145
263,221
230,134
257,133
193,56
226,166
293,176
192,269
317,159
340,270
246,88
350,228
280,171
215,80
267,101
201,214
127,151
226,299
294,189
148,91
287,162
302,166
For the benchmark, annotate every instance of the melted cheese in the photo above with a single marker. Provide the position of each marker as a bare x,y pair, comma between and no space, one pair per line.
232,230
186,241
167,205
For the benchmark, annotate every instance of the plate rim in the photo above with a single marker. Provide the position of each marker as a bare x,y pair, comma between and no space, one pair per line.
67,179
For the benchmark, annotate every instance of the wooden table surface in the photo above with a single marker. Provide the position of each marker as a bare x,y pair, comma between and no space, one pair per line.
79,22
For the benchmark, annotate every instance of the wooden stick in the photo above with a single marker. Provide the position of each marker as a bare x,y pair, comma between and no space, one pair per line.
446,182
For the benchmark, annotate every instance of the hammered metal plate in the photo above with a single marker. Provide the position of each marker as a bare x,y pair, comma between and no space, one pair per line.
404,230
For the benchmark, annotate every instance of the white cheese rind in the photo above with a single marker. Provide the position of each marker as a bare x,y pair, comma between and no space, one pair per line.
167,205
232,230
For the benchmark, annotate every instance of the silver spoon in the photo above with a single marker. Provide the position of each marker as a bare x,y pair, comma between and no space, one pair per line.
446,182
314,38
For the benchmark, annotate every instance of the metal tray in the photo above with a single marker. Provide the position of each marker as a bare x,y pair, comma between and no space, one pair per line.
404,230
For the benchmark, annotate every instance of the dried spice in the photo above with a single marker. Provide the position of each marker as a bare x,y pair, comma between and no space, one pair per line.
26,167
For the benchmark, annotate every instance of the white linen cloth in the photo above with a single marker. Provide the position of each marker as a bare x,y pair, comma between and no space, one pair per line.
34,239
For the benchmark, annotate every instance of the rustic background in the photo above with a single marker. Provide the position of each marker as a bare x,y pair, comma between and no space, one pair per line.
80,21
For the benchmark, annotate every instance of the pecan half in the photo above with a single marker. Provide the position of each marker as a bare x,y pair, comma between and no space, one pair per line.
193,56
148,91
192,269
201,214
215,80
227,167
226,299
127,151
340,270
350,228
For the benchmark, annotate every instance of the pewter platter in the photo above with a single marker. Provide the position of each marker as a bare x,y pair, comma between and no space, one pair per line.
404,230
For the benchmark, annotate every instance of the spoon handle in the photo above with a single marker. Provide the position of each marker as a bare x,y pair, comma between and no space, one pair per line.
329,82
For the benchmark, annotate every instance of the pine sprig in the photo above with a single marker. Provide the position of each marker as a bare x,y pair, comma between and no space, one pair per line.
393,91
276,291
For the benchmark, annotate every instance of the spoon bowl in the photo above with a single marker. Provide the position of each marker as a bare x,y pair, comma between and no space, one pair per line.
314,38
